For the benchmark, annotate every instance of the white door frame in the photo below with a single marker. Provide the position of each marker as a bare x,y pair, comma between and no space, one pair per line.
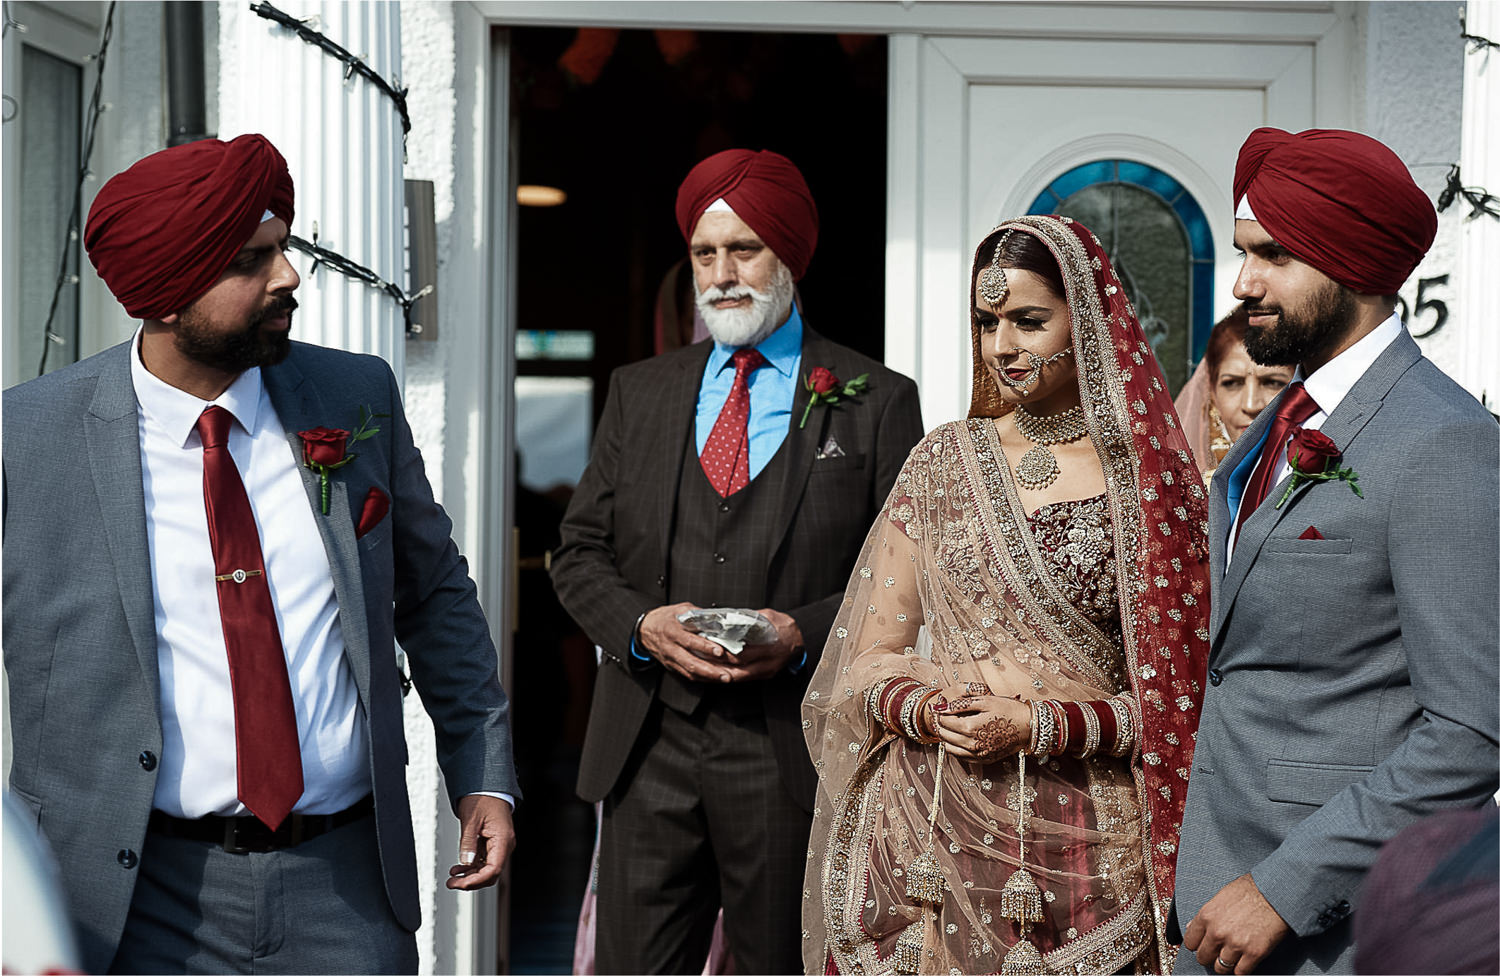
938,49
926,230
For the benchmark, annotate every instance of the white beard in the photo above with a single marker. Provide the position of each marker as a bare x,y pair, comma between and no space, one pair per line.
747,326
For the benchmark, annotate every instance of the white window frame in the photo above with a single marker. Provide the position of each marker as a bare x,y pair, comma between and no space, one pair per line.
69,32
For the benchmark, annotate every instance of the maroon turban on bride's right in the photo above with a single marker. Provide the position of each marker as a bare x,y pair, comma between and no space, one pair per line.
1340,201
162,232
766,191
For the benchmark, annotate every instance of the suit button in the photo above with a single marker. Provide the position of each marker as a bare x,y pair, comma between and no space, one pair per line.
723,506
1214,677
719,557
147,759
127,859
661,581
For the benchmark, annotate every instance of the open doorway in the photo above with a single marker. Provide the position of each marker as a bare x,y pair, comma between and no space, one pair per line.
615,119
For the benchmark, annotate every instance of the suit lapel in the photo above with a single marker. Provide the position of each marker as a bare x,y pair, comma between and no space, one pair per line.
676,418
1342,426
112,434
802,443
300,407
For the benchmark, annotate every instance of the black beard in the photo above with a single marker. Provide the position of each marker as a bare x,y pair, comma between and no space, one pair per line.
235,352
1304,335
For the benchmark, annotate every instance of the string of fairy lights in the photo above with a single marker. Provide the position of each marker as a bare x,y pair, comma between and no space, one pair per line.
307,30
67,273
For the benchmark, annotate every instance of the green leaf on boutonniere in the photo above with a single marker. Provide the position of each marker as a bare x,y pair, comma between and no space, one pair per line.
827,389
325,450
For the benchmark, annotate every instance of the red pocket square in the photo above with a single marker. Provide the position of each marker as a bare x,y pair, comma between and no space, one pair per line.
1311,533
377,503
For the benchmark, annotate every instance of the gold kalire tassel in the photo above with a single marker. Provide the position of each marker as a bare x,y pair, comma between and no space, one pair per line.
924,876
1023,959
907,959
1021,899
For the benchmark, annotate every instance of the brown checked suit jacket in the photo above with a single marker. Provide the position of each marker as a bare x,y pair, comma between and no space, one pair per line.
613,564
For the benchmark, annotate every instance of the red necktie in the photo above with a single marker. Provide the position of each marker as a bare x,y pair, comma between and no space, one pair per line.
1296,406
267,756
726,455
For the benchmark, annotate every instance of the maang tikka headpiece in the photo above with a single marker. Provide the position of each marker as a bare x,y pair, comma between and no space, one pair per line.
992,284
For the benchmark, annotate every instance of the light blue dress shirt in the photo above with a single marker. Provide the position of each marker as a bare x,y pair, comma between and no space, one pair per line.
772,390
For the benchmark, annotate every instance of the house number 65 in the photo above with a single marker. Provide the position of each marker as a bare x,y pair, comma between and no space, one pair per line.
1439,307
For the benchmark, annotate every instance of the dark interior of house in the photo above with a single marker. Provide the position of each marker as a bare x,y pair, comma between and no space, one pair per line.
615,119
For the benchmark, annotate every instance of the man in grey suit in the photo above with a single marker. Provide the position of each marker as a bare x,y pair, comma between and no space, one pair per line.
1353,533
715,481
203,588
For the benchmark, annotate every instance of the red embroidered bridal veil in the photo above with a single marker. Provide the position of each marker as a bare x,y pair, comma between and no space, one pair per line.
950,588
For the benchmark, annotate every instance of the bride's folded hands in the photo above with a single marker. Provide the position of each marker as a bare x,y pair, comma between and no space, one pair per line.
984,727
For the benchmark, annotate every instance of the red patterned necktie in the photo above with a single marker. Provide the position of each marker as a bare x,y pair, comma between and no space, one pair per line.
726,455
1296,406
267,756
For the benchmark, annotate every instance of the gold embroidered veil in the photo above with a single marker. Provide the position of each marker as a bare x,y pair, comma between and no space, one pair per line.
950,588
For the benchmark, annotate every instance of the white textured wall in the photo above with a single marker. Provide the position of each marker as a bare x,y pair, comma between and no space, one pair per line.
1413,101
1479,252
427,71
445,66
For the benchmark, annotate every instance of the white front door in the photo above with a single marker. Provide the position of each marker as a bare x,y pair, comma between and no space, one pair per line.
983,126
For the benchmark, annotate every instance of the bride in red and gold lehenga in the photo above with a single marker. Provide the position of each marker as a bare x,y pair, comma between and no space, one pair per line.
1003,717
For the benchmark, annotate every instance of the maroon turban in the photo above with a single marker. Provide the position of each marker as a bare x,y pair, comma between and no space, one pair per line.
1340,201
162,232
766,191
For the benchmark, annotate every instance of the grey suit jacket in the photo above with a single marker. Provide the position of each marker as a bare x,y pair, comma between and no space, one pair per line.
1352,679
80,636
613,563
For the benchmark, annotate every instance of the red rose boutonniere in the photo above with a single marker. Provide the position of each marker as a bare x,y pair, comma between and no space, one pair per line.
827,388
1314,457
325,450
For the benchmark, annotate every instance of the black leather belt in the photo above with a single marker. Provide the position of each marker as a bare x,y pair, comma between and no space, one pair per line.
246,835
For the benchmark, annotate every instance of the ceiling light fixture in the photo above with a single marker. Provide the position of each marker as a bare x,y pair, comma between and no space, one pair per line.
533,195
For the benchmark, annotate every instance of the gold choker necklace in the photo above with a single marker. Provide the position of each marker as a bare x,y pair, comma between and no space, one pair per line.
1038,467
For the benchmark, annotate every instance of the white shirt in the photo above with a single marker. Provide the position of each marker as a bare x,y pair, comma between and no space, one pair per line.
1328,387
197,772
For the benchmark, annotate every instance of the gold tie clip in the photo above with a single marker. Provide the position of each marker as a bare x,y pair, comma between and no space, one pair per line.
238,576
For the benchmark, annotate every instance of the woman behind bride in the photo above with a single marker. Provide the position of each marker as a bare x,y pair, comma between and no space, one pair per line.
1003,793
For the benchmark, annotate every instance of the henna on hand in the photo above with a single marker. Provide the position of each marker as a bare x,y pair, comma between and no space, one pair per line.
998,736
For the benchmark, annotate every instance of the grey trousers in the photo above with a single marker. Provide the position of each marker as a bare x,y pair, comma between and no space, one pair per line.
700,818
319,907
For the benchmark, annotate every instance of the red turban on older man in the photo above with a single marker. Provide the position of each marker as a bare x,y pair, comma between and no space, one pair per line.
766,191
162,232
1340,201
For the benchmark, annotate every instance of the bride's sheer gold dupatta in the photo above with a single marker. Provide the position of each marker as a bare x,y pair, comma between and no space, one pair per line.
953,587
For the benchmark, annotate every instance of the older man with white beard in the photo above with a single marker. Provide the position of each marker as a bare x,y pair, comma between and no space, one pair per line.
719,479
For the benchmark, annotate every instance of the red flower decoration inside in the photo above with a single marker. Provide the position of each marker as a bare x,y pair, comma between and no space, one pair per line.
323,446
820,380
1311,451
1314,456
